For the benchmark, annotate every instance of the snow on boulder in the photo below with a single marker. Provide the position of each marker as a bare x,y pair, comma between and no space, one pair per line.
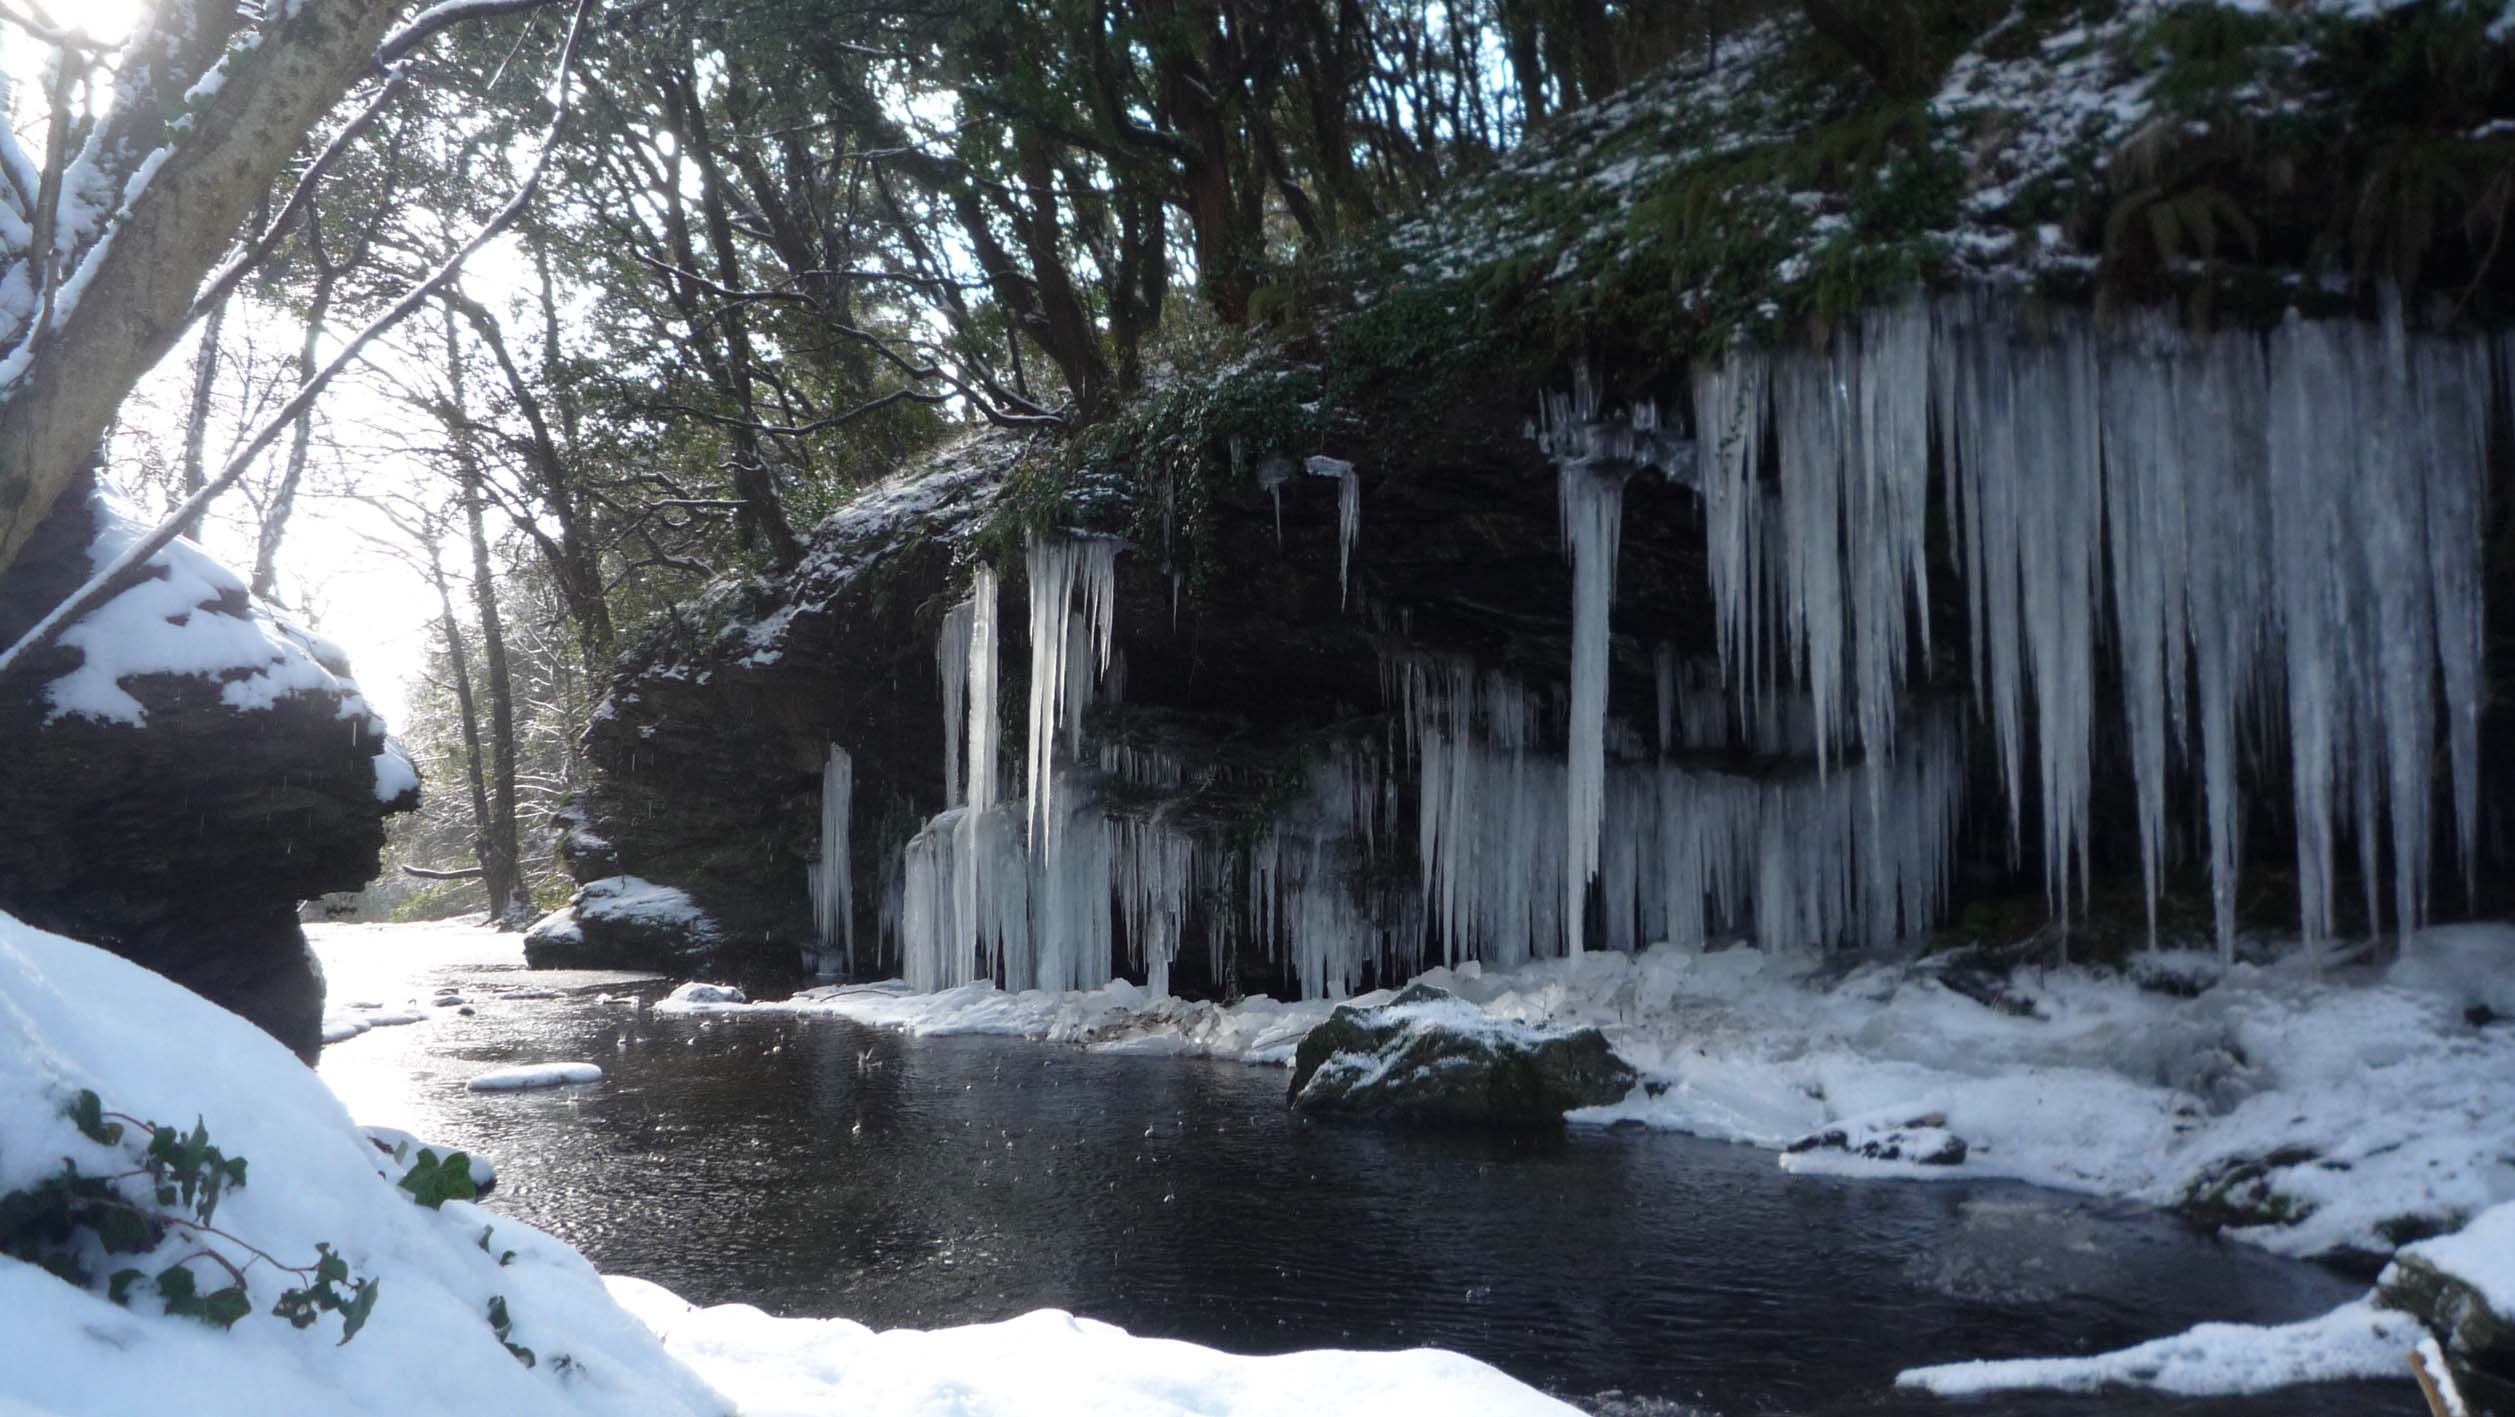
184,768
1893,1144
1051,1364
2463,1286
624,922
695,997
535,1075
74,1019
1429,1056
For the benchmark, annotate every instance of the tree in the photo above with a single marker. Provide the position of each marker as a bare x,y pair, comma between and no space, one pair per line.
114,285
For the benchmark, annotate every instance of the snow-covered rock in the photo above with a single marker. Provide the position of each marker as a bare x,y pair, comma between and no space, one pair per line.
1428,1056
1911,1141
2463,1286
184,767
623,922
535,1075
695,997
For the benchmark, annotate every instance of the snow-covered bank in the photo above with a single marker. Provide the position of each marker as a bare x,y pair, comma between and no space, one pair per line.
2316,1116
461,1292
1048,1363
2356,1340
74,1018
2453,1293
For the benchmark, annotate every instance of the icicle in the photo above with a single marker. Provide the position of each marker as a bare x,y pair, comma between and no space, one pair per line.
1059,567
951,662
833,876
1273,471
1593,510
1663,669
1348,514
967,878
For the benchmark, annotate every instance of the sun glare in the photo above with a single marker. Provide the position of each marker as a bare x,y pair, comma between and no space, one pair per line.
108,20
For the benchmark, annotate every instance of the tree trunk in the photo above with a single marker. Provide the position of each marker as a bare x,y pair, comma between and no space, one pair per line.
139,287
196,427
500,868
300,443
458,654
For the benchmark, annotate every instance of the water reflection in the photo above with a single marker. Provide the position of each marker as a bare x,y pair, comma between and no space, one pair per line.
814,1167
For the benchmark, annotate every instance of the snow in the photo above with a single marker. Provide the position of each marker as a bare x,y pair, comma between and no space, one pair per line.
1049,1364
2470,966
73,1017
695,997
398,1150
2481,1254
631,901
534,1075
2357,1340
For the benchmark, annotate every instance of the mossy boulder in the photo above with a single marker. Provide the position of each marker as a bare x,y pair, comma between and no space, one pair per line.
1427,1056
2459,1286
2241,1191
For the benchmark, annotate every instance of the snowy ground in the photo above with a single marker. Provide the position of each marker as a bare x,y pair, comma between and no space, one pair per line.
73,1018
1049,1364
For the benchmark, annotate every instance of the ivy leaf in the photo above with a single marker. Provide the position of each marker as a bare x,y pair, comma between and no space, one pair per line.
174,1284
88,1115
434,1180
118,1288
223,1307
362,1303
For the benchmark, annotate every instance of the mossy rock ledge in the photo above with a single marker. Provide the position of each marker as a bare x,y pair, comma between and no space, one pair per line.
2447,1284
1428,1057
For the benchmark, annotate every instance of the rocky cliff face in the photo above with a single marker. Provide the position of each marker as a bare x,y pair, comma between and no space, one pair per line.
182,770
1681,531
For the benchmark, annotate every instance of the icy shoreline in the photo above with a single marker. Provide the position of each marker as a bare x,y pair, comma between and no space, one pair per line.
2321,1118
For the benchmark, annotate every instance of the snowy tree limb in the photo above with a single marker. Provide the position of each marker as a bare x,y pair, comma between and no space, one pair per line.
183,192
110,581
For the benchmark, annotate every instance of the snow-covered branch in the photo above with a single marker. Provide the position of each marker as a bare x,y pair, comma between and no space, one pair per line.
109,581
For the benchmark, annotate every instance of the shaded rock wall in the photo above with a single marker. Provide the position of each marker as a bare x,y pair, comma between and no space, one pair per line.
185,841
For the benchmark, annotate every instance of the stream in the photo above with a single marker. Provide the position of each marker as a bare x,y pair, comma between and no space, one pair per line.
819,1167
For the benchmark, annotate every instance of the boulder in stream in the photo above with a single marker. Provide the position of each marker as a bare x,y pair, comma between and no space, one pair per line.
623,922
1428,1056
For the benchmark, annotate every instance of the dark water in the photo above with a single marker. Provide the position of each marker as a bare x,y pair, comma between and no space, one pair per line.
817,1167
